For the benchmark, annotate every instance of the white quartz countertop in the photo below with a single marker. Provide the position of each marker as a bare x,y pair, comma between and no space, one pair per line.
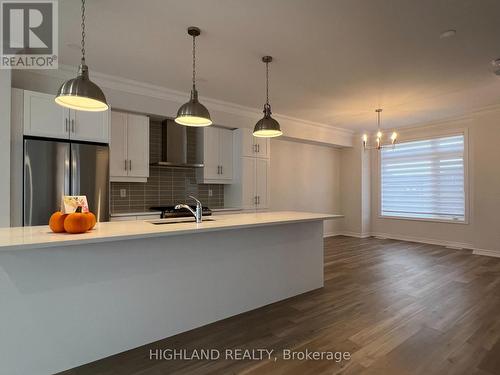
42,237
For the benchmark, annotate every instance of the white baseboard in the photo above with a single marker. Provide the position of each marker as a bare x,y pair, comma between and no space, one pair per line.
489,253
330,234
348,234
430,241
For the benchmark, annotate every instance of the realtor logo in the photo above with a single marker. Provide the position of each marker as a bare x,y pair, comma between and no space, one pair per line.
28,34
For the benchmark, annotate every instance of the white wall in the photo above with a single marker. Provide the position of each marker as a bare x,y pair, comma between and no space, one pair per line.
351,183
5,83
306,177
355,191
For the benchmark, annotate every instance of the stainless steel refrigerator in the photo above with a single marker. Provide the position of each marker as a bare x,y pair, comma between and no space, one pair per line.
53,168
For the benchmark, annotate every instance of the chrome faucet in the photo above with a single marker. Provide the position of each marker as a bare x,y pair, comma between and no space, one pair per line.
196,213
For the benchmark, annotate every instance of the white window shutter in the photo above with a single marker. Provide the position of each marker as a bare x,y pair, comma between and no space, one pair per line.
424,179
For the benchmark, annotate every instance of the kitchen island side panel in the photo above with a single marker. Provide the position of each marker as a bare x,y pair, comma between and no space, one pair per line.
62,307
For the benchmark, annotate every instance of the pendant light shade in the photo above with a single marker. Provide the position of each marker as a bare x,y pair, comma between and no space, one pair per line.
267,127
81,93
193,113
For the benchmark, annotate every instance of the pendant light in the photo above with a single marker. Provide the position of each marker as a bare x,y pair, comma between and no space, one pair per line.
378,139
81,93
193,113
267,127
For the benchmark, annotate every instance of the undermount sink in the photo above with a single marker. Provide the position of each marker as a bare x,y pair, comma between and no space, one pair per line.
177,221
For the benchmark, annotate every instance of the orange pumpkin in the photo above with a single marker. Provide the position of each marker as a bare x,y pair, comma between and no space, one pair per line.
77,222
56,222
92,220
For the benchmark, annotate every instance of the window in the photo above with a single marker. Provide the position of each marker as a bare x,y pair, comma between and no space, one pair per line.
424,179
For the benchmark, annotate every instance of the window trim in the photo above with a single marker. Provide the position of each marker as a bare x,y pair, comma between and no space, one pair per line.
467,208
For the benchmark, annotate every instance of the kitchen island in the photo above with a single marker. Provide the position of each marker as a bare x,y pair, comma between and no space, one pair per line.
67,299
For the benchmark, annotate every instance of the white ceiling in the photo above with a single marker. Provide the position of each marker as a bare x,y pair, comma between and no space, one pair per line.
335,60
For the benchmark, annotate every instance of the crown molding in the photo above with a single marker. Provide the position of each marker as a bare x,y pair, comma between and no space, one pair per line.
159,92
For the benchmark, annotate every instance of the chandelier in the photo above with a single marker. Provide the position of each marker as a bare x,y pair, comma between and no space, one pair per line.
378,138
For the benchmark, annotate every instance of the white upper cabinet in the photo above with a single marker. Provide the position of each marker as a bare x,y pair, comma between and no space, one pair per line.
44,118
138,145
217,156
262,147
211,170
89,126
129,147
118,162
226,153
253,146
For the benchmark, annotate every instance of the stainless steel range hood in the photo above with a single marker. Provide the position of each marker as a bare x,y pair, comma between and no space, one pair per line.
181,146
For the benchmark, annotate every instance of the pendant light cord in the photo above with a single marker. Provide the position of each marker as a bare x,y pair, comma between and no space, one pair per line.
267,83
194,62
83,31
378,120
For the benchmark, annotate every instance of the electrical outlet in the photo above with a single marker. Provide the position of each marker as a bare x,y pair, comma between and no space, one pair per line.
210,192
123,193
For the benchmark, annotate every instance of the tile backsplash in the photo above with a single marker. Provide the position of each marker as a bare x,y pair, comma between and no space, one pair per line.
165,186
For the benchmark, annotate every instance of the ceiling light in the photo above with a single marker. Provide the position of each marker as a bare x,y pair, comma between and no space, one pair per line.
448,34
193,113
496,66
379,136
81,93
267,127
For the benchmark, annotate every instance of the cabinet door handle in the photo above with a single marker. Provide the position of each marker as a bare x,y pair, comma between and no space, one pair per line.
125,164
221,170
130,165
66,127
258,148
72,125
254,148
258,199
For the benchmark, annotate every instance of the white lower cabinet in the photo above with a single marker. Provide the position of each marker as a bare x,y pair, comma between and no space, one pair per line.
250,188
261,182
129,147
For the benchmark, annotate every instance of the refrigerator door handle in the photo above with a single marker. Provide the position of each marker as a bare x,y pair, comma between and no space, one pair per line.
28,204
75,169
67,175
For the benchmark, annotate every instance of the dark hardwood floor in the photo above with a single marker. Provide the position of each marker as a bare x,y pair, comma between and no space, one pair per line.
398,307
